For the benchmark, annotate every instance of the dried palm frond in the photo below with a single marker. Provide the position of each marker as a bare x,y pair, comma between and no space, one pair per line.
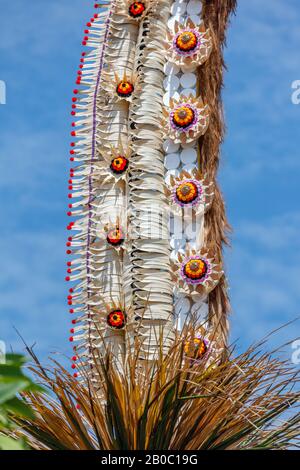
121,103
183,401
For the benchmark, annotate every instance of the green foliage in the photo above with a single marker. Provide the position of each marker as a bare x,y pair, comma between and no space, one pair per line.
13,383
246,402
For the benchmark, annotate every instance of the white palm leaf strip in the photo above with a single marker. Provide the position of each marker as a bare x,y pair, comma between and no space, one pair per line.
98,267
148,270
111,205
84,267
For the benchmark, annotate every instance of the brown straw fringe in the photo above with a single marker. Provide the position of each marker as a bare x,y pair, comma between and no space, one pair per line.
215,15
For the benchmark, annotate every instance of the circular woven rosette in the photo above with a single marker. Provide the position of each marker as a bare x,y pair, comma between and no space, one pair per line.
122,87
191,191
185,120
114,234
116,319
190,46
114,316
135,11
119,165
114,164
196,272
202,345
197,347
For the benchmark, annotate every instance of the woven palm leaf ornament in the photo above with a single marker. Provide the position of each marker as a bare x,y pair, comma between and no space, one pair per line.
148,218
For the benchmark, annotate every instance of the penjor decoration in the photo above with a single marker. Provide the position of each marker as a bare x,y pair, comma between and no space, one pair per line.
148,219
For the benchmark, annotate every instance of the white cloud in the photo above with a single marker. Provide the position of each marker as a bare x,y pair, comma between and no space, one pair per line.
262,121
264,270
278,233
41,26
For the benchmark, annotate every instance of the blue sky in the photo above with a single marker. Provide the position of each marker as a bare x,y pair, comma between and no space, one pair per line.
40,45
